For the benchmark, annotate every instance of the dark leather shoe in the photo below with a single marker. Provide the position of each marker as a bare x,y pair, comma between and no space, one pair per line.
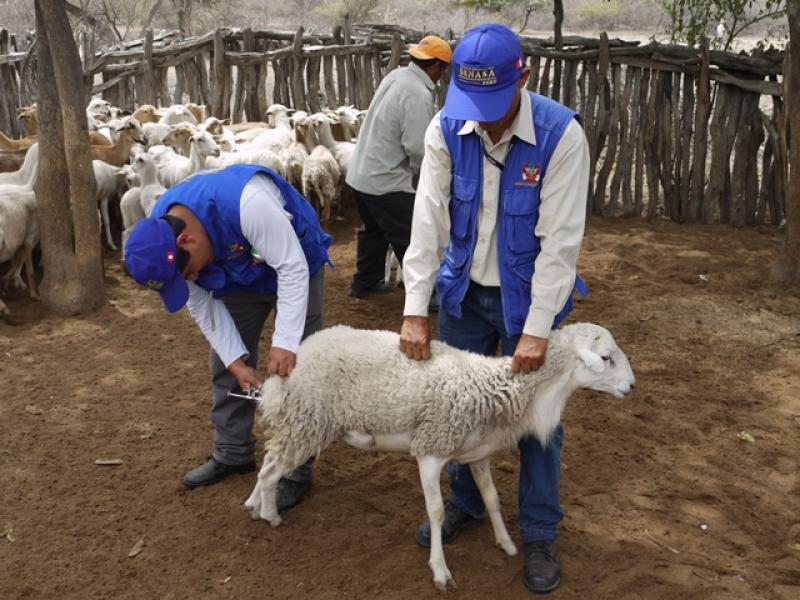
360,291
455,522
291,493
542,571
214,471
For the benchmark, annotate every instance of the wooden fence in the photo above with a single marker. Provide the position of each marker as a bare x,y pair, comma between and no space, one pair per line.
687,133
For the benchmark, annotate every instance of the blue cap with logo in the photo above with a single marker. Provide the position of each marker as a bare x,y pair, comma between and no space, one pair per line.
151,258
487,64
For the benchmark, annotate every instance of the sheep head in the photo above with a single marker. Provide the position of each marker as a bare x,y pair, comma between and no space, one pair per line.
179,135
146,113
601,365
99,109
144,166
131,129
204,143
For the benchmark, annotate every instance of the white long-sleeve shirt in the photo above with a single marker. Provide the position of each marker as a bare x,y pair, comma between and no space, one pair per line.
267,227
562,215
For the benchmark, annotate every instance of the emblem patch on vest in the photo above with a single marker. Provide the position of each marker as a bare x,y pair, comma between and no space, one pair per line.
235,248
477,75
531,174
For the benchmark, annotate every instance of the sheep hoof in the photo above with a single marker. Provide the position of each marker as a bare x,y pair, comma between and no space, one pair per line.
442,585
275,521
508,547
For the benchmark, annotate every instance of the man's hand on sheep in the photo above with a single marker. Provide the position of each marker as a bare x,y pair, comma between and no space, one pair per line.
529,355
246,376
415,338
281,362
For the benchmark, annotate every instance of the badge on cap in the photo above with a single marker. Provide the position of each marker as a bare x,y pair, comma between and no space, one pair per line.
170,257
154,285
477,75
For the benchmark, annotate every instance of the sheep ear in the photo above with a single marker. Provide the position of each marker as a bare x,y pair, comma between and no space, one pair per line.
592,360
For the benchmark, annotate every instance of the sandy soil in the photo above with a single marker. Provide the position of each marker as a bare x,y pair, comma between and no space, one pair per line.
640,476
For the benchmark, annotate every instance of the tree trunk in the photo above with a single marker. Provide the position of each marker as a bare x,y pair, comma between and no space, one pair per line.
788,265
65,188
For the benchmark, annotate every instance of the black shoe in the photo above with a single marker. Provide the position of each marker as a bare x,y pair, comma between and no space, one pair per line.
542,571
360,291
291,493
214,471
455,522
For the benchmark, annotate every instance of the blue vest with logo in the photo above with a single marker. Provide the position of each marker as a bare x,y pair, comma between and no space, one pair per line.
518,212
214,198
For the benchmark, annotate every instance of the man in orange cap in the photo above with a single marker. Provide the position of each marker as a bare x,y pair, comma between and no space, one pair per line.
387,159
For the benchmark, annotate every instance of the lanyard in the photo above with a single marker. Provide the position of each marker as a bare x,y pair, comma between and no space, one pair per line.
492,159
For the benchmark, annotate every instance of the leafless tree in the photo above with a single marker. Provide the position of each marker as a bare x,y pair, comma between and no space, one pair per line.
65,188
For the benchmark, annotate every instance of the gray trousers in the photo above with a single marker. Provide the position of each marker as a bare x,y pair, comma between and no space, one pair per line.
234,443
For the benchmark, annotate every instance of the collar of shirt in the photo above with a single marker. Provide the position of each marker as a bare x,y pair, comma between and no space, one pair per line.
413,68
521,127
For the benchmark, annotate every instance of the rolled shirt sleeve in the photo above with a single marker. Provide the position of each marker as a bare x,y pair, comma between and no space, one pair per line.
562,218
430,225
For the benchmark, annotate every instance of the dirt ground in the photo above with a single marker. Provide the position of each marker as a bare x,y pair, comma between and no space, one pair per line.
712,358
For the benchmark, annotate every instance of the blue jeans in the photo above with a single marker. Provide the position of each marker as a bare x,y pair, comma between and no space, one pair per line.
480,329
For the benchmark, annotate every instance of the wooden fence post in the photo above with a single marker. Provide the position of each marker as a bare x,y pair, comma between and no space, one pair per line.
219,75
298,90
702,111
150,90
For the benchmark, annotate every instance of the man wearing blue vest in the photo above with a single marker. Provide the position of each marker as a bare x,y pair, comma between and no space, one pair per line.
498,223
231,245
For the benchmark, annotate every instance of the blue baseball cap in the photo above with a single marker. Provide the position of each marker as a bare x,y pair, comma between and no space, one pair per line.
487,64
151,256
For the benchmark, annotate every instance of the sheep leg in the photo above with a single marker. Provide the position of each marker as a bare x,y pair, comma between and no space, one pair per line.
387,270
29,273
14,272
430,469
482,473
107,223
263,502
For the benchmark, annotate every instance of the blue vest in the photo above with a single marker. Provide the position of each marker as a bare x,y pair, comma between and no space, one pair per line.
214,198
518,212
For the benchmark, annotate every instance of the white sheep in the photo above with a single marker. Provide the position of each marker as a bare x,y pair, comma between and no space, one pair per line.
25,176
320,179
251,156
153,134
138,203
110,184
97,112
177,113
349,120
19,235
175,168
342,151
456,406
293,158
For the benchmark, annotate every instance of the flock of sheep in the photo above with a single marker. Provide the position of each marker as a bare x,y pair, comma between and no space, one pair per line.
136,156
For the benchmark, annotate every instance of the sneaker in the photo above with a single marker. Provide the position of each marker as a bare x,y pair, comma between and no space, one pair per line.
542,571
455,522
214,471
359,291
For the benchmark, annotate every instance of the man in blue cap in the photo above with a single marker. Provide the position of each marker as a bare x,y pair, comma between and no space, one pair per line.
498,222
232,245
